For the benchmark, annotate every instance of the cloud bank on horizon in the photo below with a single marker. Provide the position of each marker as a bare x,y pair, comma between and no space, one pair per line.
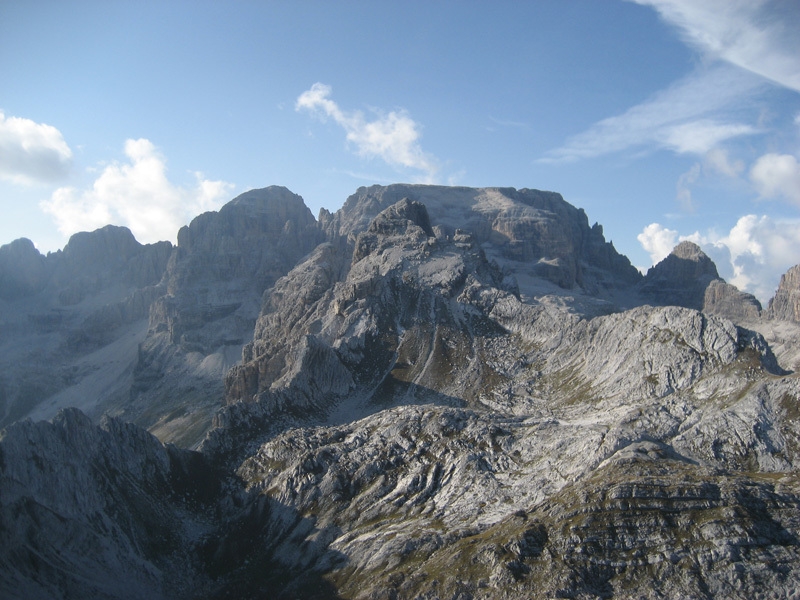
138,195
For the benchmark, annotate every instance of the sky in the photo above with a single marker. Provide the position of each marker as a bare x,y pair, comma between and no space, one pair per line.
664,120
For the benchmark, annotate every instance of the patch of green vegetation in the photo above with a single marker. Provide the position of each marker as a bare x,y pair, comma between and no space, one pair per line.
568,386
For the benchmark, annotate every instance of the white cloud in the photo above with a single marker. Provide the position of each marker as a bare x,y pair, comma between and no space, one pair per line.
717,160
393,137
32,152
752,255
688,117
684,192
777,176
699,137
657,241
136,194
759,36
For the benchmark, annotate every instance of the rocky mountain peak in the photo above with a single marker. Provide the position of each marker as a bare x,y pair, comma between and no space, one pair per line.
686,264
785,305
215,280
109,243
534,233
689,278
397,218
22,269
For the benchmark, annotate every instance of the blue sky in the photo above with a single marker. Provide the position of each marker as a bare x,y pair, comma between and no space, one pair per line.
663,119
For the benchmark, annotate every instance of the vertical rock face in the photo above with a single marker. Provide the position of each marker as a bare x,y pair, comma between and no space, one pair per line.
215,278
689,278
786,303
681,278
726,300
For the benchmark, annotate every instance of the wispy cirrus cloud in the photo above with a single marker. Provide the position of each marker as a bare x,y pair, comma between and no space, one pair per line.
392,137
744,45
759,36
32,152
136,194
691,116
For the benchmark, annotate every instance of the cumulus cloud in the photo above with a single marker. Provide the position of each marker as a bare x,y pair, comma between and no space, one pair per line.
657,241
752,255
393,137
136,194
691,116
777,176
32,152
759,36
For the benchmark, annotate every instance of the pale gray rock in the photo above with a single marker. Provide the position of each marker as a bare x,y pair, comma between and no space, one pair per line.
532,233
785,305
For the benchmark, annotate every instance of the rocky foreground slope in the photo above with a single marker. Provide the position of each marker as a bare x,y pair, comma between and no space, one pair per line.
433,403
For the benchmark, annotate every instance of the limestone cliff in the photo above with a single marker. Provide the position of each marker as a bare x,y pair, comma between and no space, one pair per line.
785,305
214,281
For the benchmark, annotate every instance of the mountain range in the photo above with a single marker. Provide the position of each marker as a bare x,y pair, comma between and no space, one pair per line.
434,392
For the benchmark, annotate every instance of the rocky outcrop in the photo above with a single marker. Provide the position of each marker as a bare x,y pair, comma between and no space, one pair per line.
98,512
785,305
383,313
689,278
728,301
23,271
